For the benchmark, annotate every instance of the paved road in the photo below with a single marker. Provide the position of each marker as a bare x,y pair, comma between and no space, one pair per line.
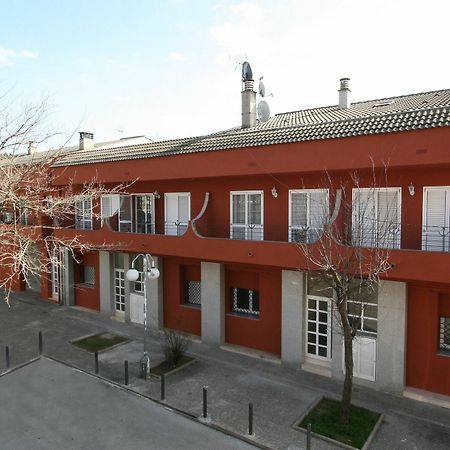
47,405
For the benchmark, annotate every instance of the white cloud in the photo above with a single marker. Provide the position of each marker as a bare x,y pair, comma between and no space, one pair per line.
7,55
176,56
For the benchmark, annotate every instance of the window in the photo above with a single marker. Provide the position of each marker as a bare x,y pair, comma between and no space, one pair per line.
376,217
87,275
363,308
177,213
83,213
245,301
125,214
247,215
23,216
144,214
308,212
109,206
192,292
119,290
436,216
139,266
444,334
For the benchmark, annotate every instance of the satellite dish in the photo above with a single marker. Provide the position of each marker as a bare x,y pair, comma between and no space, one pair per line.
263,111
261,88
247,74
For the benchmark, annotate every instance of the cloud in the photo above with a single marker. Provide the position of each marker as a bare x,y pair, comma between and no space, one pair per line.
175,56
8,55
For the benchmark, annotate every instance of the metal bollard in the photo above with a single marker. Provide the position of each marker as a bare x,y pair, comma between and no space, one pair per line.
250,419
126,372
96,362
40,347
205,402
308,437
163,387
7,357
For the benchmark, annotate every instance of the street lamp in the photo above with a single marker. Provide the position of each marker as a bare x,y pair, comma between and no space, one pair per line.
152,273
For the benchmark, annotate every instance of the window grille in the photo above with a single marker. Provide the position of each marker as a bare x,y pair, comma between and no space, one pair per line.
444,334
363,309
245,301
192,293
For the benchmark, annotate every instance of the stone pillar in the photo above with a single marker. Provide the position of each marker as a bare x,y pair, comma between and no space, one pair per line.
106,284
67,279
155,303
213,303
292,318
126,266
391,339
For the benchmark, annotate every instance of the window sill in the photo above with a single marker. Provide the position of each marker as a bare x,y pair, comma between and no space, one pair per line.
243,315
445,353
191,306
84,286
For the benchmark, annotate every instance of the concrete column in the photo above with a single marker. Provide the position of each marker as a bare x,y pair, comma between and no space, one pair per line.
391,339
337,349
67,279
213,303
106,284
155,298
126,266
292,318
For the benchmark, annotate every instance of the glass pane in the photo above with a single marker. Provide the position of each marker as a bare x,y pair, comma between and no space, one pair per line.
312,349
322,329
311,326
299,214
254,209
323,317
370,325
242,298
238,209
323,306
323,352
323,340
238,233
312,315
255,301
312,338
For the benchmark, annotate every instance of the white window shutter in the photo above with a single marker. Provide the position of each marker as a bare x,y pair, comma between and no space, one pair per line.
106,206
388,217
318,213
364,217
435,220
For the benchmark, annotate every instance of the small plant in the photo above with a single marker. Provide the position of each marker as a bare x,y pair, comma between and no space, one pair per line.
175,346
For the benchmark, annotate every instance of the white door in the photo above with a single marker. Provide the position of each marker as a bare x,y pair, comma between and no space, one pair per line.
318,328
119,291
364,357
177,213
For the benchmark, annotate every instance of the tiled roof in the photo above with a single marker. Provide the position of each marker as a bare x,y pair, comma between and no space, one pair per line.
409,112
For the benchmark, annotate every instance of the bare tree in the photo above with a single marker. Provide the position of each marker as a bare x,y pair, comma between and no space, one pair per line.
349,253
32,206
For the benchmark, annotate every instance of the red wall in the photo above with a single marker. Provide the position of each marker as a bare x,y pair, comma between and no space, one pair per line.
263,333
177,315
425,367
87,296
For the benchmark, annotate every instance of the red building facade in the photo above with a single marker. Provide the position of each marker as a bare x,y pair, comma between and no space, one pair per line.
222,216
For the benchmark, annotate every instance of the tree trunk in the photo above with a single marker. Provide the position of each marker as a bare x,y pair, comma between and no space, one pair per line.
348,360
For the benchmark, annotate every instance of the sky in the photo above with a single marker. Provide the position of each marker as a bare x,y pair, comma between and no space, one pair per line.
170,68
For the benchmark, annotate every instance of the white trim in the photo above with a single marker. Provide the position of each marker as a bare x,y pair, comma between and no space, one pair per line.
329,328
245,225
446,211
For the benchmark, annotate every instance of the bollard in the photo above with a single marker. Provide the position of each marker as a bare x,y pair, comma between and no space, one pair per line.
163,387
205,402
250,419
7,357
126,372
96,362
308,437
40,342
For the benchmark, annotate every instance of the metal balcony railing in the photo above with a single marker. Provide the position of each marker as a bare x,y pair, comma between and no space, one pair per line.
248,232
436,239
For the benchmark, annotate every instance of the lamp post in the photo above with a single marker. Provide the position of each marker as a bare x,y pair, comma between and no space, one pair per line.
152,273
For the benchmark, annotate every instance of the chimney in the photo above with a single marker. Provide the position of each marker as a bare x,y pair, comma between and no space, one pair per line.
32,147
344,94
86,141
248,98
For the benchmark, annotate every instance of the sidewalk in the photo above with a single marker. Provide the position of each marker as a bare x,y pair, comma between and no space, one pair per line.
280,396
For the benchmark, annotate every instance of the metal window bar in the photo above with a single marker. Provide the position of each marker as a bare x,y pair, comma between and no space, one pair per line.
247,232
436,238
193,294
251,308
444,334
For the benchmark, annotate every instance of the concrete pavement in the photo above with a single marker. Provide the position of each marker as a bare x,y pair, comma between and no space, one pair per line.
280,396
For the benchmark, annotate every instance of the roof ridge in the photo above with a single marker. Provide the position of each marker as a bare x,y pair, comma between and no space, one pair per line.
362,101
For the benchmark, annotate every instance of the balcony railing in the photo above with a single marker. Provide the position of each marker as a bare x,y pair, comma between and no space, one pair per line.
304,235
249,232
436,239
